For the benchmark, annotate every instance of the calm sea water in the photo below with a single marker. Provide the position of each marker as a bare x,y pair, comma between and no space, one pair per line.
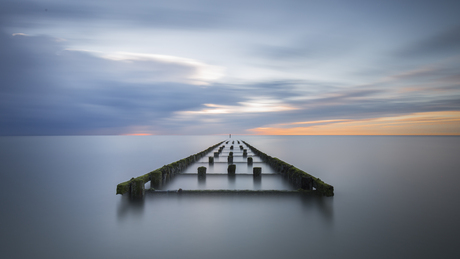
395,197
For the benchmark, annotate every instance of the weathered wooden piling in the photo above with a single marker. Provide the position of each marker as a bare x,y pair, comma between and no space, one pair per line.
201,171
257,171
136,188
231,147
216,154
211,159
230,159
241,147
245,153
249,160
231,169
230,154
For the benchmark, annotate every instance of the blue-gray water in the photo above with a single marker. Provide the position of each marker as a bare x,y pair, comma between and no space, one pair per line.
395,197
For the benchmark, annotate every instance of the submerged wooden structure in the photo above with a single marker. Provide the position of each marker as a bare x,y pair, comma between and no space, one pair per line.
302,181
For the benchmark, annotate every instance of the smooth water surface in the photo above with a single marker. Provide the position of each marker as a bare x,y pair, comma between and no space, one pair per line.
395,197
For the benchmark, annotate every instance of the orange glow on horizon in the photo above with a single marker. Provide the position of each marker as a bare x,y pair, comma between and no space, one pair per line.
427,123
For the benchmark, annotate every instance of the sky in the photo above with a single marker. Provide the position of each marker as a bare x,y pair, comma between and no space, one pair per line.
290,67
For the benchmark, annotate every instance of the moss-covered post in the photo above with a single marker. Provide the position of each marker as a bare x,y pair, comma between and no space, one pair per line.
249,160
257,171
201,171
241,147
211,160
306,183
245,153
231,169
136,188
231,147
216,154
156,179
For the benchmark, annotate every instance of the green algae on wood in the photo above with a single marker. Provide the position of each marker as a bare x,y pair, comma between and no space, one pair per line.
299,178
135,186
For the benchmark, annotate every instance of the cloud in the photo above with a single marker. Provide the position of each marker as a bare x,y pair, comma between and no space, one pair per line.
253,106
33,14
46,90
444,44
200,73
122,69
427,123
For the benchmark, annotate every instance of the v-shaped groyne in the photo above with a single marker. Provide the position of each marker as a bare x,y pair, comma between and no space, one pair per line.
300,180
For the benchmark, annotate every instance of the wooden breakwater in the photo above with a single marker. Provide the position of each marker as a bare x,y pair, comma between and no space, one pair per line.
302,181
297,177
135,186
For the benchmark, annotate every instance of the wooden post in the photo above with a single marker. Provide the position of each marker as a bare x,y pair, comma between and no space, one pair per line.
201,171
249,160
136,188
211,160
257,171
231,169
230,159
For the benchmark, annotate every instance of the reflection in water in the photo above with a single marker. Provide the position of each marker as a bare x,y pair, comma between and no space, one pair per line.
128,206
231,181
202,181
381,208
257,182
307,204
319,203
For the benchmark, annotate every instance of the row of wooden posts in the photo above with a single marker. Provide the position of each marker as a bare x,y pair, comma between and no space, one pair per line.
230,155
256,171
